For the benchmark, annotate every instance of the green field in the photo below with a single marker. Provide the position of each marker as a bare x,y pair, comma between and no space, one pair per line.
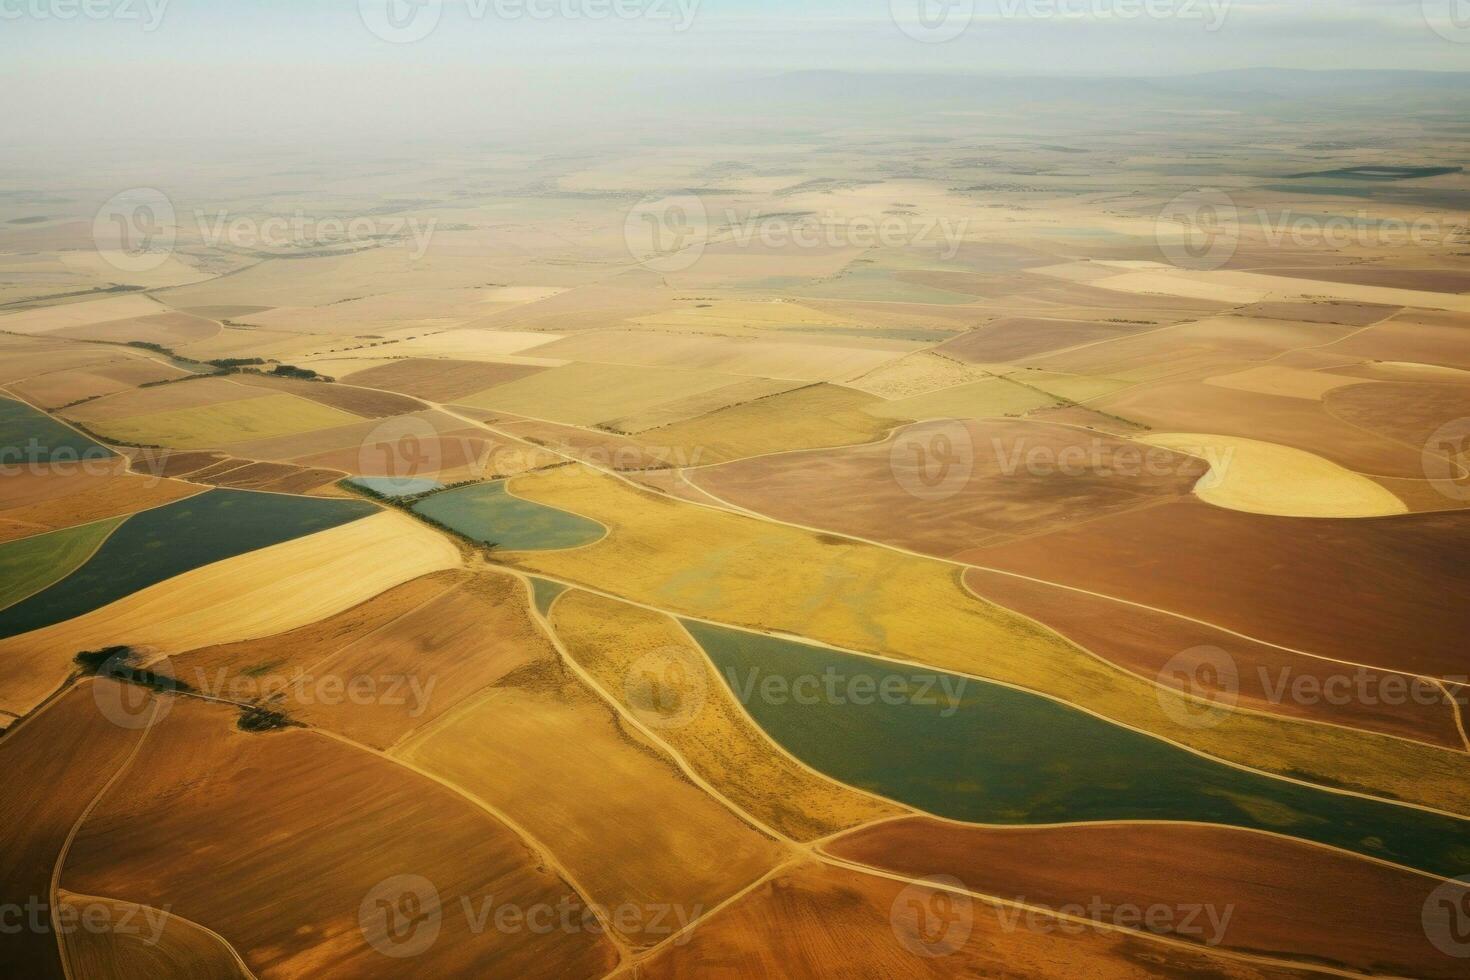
998,755
31,564
31,436
159,544
486,513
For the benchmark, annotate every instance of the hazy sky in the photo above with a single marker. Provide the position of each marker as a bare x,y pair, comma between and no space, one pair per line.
142,67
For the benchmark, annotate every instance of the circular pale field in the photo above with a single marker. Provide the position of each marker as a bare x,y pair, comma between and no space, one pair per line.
1266,478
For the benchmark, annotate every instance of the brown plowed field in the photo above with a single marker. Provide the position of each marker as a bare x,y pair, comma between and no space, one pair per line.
1286,899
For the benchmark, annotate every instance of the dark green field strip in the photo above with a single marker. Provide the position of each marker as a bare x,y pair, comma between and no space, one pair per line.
31,436
485,512
158,544
996,755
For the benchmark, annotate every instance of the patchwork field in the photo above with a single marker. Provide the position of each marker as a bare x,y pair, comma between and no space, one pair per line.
167,541
796,924
940,488
812,519
336,805
260,593
952,754
1274,578
560,762
614,642
1287,899
733,569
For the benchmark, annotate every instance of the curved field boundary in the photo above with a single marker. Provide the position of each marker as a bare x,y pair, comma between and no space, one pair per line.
949,745
31,564
490,514
168,541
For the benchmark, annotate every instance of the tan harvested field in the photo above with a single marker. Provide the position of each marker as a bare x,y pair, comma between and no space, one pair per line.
988,398
53,318
142,943
199,393
1293,422
1264,478
451,457
560,762
74,733
744,572
1250,287
415,653
753,357
36,502
303,447
469,344
1276,579
169,837
808,418
598,448
1288,382
700,720
1157,646
62,388
698,405
803,920
256,594
440,381
168,329
942,488
589,394
1323,311
916,374
1410,413
1017,338
1412,336
1285,899
30,362
225,423
356,401
1422,280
